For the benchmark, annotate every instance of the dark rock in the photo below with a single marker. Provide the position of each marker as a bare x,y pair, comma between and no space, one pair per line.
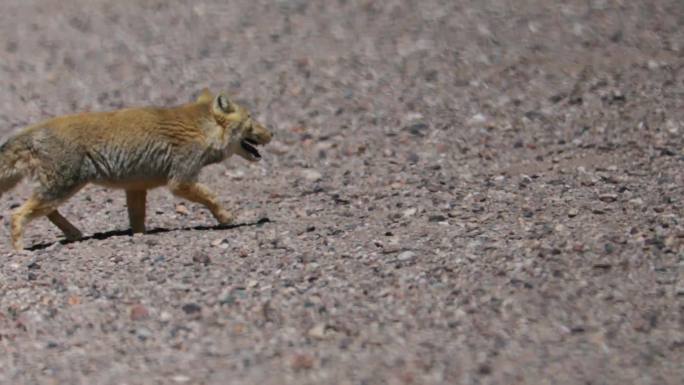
437,218
417,129
202,258
191,308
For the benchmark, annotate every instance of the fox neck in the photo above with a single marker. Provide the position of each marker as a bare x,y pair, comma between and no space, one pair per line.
218,141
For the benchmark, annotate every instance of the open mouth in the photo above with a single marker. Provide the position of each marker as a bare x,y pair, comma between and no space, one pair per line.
248,145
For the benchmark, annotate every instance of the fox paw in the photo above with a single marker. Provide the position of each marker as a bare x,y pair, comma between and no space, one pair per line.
73,235
224,217
17,244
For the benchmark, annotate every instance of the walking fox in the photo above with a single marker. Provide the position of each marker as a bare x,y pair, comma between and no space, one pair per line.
134,149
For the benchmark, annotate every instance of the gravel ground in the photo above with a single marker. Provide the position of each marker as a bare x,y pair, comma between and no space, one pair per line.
458,192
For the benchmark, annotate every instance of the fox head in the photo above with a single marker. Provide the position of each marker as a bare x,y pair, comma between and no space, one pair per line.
238,132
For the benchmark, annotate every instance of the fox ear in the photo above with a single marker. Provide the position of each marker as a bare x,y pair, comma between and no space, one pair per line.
223,104
205,96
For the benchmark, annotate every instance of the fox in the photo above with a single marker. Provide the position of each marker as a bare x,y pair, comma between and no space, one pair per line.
134,149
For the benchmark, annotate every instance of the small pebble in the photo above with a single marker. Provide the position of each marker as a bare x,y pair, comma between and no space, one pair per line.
406,256
181,209
318,331
311,175
608,198
409,212
143,333
139,312
217,242
302,361
180,379
165,316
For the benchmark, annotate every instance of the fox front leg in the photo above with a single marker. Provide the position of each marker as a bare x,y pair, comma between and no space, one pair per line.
135,202
198,193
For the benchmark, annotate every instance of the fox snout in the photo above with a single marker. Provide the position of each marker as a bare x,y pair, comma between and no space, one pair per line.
256,135
261,134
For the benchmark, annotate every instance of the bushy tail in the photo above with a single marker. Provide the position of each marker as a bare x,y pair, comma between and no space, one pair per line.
10,173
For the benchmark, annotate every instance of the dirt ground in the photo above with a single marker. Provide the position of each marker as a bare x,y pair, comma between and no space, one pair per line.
459,192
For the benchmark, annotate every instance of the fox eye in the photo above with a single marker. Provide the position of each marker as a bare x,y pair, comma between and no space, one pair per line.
224,104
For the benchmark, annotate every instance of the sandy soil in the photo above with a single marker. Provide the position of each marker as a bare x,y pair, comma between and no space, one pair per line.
458,192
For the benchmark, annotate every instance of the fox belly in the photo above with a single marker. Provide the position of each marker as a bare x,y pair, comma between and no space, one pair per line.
136,167
133,184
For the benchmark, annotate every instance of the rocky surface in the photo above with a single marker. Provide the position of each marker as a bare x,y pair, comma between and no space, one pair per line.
458,192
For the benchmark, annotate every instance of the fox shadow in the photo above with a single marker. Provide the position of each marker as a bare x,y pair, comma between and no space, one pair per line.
157,230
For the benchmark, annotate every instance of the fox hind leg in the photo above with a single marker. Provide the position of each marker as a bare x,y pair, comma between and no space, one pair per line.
42,205
33,208
70,231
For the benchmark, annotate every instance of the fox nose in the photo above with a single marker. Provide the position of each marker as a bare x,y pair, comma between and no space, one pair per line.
264,134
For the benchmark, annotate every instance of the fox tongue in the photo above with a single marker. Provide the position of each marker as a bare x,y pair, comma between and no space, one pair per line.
249,148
